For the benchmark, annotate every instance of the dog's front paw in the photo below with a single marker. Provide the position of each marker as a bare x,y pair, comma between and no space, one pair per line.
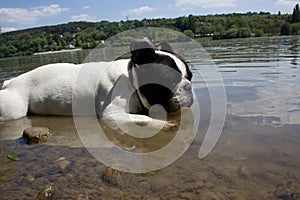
171,125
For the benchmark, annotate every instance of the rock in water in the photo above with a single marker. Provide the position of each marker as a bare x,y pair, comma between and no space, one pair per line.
35,135
46,193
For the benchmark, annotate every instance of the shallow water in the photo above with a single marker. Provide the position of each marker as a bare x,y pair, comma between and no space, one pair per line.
256,157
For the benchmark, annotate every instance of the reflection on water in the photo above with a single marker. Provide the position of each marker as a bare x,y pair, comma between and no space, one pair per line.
265,80
11,67
257,156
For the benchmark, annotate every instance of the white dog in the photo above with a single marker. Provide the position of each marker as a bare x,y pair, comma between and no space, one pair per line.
151,77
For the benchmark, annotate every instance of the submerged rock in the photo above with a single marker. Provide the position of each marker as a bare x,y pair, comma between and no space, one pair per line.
46,193
110,176
288,190
63,163
13,156
113,177
36,135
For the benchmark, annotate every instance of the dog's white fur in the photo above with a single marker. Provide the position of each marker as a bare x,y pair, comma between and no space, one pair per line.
48,90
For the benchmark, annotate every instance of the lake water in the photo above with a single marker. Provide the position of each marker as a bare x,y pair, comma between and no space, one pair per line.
256,157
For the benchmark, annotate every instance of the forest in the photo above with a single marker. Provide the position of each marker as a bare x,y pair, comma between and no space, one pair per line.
90,34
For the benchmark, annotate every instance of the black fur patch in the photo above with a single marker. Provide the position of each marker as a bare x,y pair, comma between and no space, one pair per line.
158,71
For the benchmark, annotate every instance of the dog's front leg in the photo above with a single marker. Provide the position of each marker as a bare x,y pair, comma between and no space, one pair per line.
135,125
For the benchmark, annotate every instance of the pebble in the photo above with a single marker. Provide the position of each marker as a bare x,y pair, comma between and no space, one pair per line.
34,135
63,164
46,193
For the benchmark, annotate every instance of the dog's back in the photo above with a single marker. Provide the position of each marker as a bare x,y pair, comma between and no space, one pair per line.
48,90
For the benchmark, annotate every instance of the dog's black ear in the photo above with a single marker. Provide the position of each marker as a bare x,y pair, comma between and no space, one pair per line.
142,51
164,46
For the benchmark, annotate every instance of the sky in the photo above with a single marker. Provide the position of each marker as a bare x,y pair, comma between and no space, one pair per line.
22,14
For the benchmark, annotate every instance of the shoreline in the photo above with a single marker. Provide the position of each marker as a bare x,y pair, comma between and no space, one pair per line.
60,51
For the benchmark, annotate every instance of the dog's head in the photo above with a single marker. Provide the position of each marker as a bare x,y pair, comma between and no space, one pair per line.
160,76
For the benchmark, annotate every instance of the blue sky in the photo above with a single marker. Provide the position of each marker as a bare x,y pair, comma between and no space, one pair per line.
21,14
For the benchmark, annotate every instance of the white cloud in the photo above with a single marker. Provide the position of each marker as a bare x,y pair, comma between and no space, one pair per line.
86,7
83,17
206,3
139,11
30,15
7,29
287,3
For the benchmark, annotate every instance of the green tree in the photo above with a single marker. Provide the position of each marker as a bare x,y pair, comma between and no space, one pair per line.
244,33
286,29
191,23
205,29
78,29
68,36
56,38
181,23
258,32
89,34
231,33
10,50
189,33
296,14
296,28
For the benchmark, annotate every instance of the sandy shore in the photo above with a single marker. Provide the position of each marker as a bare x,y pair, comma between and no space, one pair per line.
64,50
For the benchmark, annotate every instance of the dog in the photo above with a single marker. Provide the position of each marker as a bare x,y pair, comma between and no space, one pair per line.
50,89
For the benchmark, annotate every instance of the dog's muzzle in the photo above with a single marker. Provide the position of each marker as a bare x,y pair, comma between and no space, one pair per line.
183,97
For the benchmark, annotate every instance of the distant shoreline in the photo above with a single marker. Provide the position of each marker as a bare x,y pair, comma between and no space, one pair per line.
60,51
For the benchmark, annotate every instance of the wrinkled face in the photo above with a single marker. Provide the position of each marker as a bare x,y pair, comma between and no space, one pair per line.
165,82
162,78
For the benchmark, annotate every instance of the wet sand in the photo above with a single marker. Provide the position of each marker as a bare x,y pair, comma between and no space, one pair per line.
61,51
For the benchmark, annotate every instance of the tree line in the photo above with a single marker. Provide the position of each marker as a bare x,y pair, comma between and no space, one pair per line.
90,34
